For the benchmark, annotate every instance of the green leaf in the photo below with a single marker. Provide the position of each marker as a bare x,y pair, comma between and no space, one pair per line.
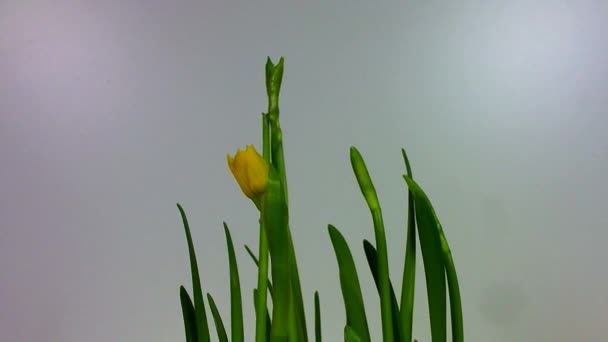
350,335
409,267
372,260
349,282
257,263
219,325
199,305
300,317
432,257
274,77
294,307
317,318
236,305
424,209
275,221
369,193
188,313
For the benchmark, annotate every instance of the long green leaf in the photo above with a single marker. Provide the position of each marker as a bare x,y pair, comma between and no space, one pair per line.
257,263
217,318
432,257
409,266
274,77
274,215
317,318
372,260
236,304
424,206
349,282
199,305
188,313
369,193
298,298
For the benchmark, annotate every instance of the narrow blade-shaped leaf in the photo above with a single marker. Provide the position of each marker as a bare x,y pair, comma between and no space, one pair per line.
372,261
409,267
217,318
300,317
275,222
349,282
236,305
317,318
433,260
424,206
188,313
202,327
257,263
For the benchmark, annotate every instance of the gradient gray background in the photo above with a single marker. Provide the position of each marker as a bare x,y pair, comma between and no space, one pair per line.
112,111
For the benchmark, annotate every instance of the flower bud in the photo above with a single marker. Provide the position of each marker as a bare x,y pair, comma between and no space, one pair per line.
250,171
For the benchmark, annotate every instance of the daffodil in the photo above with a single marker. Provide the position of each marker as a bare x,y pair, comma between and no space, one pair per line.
250,171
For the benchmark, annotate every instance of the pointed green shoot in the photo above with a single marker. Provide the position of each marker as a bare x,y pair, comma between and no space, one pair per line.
188,313
199,305
317,318
433,260
298,298
274,77
428,219
369,193
409,267
217,319
236,304
372,261
349,282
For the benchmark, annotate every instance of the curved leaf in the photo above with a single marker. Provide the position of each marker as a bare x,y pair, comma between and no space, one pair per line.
372,261
217,318
236,305
432,258
349,282
426,214
199,305
188,313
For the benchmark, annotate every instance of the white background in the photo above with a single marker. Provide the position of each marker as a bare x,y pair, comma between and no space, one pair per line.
112,111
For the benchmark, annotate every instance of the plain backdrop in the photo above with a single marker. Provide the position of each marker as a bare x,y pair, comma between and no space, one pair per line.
113,111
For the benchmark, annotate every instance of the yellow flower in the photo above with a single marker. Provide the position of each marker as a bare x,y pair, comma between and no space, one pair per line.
250,170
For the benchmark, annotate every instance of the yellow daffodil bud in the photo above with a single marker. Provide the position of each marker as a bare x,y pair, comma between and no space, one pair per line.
251,172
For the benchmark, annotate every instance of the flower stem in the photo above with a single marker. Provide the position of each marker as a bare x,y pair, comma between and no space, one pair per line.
274,75
369,193
261,324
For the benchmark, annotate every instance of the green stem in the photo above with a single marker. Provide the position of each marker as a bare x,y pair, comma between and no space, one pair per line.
261,324
274,75
369,193
383,271
260,331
